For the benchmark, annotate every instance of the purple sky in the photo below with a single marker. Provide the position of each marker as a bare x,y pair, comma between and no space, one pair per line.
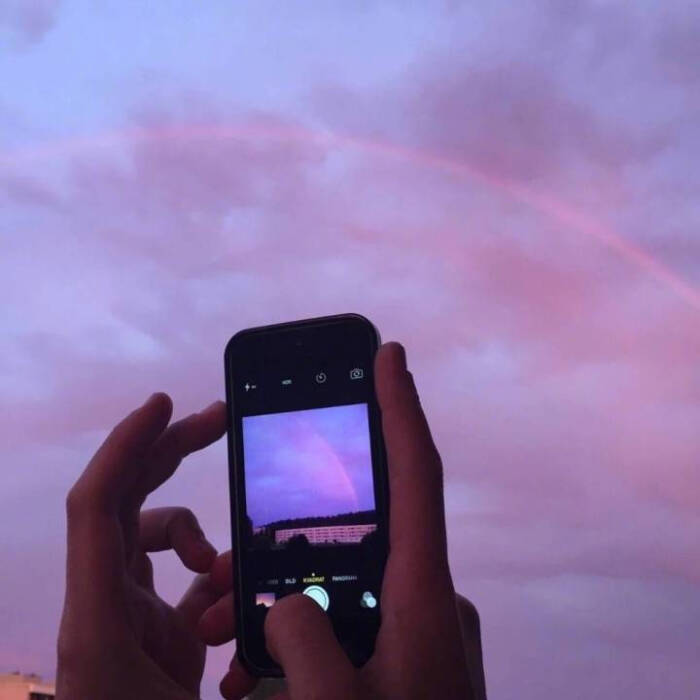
509,188
307,463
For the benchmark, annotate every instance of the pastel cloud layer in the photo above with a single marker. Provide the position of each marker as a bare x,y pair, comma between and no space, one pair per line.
509,189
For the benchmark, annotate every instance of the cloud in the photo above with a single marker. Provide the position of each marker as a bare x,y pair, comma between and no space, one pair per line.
678,55
558,366
27,21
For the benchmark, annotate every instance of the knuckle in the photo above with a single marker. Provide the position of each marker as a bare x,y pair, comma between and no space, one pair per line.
84,498
186,514
177,439
182,526
184,517
468,613
142,565
75,500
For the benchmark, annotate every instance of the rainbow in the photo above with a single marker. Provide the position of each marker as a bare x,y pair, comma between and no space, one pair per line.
545,204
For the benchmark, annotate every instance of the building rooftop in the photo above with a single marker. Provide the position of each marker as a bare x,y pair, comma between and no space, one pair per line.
30,682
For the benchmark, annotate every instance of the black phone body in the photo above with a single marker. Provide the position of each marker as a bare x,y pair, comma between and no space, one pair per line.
307,468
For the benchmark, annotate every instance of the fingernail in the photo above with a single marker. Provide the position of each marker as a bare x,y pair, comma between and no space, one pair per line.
402,356
212,406
150,398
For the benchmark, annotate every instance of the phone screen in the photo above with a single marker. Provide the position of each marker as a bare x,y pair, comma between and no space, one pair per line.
308,478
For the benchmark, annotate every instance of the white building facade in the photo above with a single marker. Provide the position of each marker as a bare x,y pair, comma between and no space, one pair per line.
342,534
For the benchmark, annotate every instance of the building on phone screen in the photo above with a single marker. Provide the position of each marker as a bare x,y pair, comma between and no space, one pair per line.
342,534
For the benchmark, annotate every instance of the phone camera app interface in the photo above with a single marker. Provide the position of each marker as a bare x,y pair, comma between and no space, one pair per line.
311,505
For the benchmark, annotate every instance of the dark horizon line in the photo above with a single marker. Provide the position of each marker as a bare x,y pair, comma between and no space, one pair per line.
360,517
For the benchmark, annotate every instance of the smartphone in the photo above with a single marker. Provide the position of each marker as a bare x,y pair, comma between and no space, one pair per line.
308,480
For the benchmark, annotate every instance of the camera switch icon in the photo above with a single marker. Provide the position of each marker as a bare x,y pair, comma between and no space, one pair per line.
357,373
368,600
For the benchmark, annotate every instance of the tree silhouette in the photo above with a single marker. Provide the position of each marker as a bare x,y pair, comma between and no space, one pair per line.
298,544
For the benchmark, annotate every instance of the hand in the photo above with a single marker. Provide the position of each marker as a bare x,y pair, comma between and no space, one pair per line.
429,643
117,638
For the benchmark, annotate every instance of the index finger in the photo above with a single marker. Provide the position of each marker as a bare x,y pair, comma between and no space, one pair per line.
181,438
117,464
96,557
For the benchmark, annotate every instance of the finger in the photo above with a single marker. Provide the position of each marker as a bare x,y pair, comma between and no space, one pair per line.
471,634
417,515
142,570
178,529
217,624
183,437
117,464
300,638
197,598
237,683
96,557
222,572
469,619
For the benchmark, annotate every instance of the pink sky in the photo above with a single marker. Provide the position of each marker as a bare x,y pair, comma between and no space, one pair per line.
510,189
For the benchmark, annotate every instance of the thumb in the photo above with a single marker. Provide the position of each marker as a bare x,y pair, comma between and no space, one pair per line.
300,638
